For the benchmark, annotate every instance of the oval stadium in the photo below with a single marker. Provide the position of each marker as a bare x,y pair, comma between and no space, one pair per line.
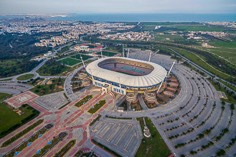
122,75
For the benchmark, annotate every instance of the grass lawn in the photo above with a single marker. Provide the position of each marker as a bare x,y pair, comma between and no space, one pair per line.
10,120
227,53
107,53
3,96
97,106
69,61
164,36
201,63
224,44
25,77
22,133
199,27
55,86
85,57
154,146
183,27
84,100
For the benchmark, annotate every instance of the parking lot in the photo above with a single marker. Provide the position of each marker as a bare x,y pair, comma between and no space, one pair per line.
52,102
122,136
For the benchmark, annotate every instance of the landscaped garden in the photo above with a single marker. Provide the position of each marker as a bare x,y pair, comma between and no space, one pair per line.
97,106
84,100
25,77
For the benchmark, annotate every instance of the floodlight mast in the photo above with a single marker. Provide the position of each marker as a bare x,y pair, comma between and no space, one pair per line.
82,61
150,55
165,77
161,84
101,53
171,68
128,54
123,50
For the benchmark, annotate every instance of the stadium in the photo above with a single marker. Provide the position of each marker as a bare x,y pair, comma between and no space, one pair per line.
122,75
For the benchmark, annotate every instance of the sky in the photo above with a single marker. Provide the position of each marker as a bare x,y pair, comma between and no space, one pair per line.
49,7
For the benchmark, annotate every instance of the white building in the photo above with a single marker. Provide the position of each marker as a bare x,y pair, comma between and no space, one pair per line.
122,75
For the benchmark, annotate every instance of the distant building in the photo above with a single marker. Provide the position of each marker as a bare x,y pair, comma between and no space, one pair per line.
84,48
89,47
77,48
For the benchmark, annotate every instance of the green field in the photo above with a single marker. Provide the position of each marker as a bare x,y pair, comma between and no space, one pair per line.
73,59
154,146
199,27
168,38
107,53
227,53
182,26
10,120
224,44
200,61
69,61
3,96
224,49
52,67
22,133
85,57
25,77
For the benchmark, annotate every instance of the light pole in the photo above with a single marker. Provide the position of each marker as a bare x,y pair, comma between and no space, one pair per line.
82,61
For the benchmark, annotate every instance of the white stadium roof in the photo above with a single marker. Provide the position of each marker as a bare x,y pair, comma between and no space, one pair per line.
153,78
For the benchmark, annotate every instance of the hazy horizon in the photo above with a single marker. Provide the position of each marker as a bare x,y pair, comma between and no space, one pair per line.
44,7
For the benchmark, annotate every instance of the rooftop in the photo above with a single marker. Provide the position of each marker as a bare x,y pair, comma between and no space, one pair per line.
132,72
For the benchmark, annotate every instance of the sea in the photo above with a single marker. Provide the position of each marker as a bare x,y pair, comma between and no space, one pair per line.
148,17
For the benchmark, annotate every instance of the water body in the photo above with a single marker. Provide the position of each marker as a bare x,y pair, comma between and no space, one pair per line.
149,17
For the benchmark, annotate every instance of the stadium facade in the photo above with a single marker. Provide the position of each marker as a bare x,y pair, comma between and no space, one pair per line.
122,75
